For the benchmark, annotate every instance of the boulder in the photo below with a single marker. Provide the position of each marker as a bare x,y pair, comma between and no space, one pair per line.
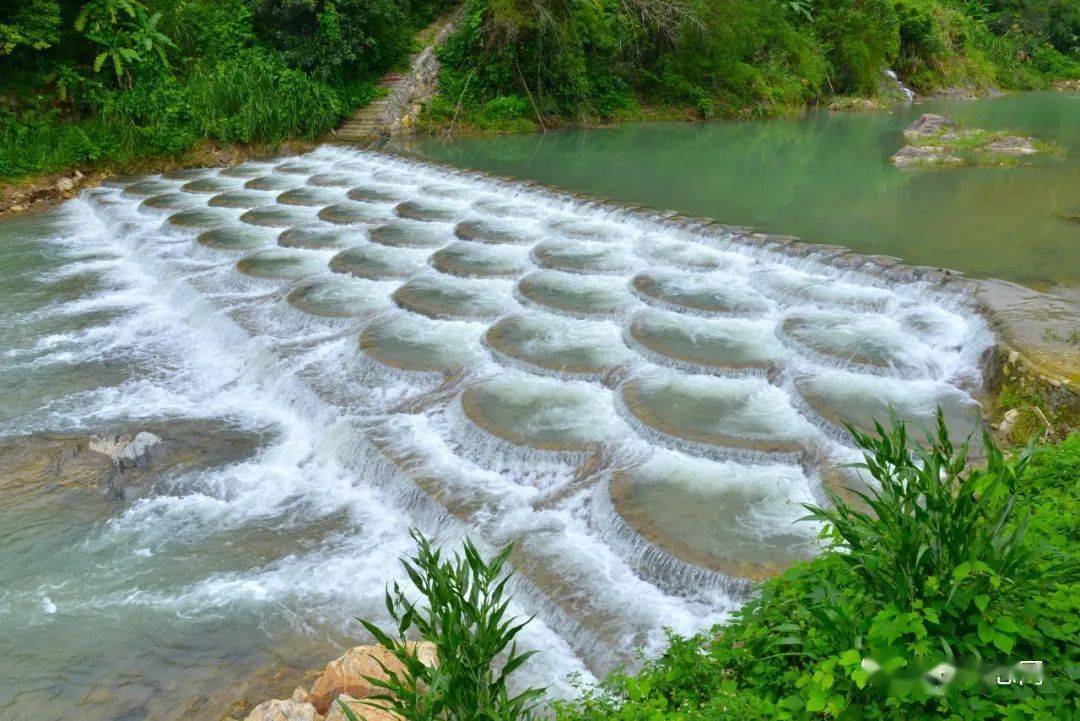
346,674
65,184
361,709
278,710
928,125
915,156
42,462
127,452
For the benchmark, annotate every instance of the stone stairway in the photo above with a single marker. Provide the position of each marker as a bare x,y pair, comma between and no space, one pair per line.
364,125
394,113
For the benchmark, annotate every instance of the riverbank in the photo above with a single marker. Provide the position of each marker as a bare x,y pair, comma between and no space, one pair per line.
46,191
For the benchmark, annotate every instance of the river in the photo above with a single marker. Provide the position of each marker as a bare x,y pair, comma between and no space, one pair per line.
826,177
349,344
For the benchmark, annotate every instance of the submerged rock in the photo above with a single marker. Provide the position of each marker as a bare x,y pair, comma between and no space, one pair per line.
54,461
127,452
938,141
119,464
914,156
1012,145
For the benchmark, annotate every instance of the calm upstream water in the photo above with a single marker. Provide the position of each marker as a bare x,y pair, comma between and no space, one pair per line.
387,344
826,177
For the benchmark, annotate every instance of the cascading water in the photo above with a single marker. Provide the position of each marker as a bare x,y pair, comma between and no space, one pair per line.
640,410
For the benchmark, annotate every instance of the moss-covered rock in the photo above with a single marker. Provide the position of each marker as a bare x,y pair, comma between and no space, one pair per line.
938,141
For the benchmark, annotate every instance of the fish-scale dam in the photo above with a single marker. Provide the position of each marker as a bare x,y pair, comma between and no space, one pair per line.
639,405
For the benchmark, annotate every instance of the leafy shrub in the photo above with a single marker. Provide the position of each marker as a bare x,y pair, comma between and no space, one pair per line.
210,31
336,38
42,142
506,107
465,617
28,25
942,571
861,39
932,519
920,35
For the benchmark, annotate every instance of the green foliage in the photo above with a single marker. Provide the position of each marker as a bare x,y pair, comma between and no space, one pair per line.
38,142
28,24
860,38
513,66
931,520
334,38
254,96
125,33
852,633
603,58
124,80
464,614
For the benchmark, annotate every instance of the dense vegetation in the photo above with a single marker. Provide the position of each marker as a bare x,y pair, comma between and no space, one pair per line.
974,567
119,80
519,63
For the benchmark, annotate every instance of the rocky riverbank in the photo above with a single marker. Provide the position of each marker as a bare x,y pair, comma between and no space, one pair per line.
47,191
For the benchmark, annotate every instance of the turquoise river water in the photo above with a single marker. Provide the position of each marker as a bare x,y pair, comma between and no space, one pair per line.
826,177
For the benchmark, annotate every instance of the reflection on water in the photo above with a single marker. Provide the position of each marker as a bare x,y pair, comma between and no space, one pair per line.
827,178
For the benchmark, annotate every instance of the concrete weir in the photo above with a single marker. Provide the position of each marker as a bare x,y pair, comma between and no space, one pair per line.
641,401
1034,332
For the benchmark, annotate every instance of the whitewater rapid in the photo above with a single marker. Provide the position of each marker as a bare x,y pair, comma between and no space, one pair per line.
641,410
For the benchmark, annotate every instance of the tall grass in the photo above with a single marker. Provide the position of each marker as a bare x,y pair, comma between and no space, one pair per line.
934,517
253,97
464,613
41,143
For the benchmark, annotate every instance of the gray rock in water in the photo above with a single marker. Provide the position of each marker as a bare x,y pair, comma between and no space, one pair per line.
914,156
1012,145
928,125
127,452
141,451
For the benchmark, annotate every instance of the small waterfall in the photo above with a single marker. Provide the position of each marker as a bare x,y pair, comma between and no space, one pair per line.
898,87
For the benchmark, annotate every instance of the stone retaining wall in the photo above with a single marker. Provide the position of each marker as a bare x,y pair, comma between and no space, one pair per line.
407,98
